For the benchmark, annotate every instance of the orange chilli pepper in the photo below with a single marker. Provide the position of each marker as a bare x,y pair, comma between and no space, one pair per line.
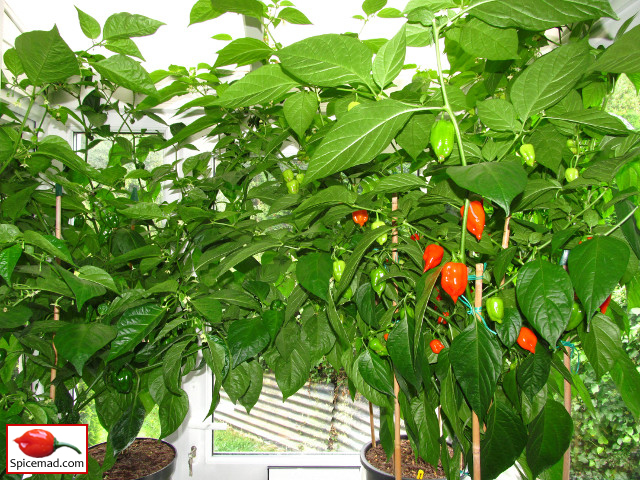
436,346
454,279
360,217
432,256
527,339
475,218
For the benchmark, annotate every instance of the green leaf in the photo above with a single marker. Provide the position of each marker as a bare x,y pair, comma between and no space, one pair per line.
49,245
360,135
317,334
45,57
143,211
125,430
251,396
126,46
414,136
13,63
127,25
210,308
299,110
502,443
252,8
481,40
622,55
8,260
549,78
328,60
509,329
372,6
243,51
502,262
498,114
602,344
314,271
595,119
332,195
549,437
545,296
293,372
595,267
399,182
262,86
16,317
365,299
89,25
476,359
390,59
500,182
172,412
126,72
273,321
172,366
97,275
629,230
240,256
533,372
133,326
548,144
77,343
376,372
202,11
83,290
534,15
293,15
8,233
247,337
627,379
400,347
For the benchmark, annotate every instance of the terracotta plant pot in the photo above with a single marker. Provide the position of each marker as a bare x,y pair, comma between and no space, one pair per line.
373,473
164,473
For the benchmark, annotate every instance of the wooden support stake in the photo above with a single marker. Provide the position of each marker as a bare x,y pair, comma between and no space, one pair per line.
397,455
373,427
566,468
56,310
476,423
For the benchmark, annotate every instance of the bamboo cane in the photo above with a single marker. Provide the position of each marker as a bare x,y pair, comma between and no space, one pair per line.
476,422
373,428
397,456
56,309
566,464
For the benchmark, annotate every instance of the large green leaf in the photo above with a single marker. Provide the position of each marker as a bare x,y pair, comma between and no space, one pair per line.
314,271
594,119
622,56
498,114
545,296
78,342
247,337
46,57
390,59
126,72
549,437
299,110
502,443
125,430
264,85
126,25
97,275
83,290
481,40
627,379
243,51
293,372
14,318
172,412
414,136
332,195
541,14
202,11
89,25
476,359
400,346
133,326
360,135
49,245
252,8
595,267
533,372
376,372
549,78
247,252
328,60
8,260
602,344
500,182
293,15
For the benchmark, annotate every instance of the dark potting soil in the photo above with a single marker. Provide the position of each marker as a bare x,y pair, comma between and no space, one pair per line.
377,457
143,457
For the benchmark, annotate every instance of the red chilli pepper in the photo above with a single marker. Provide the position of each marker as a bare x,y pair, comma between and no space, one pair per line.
40,443
441,320
432,256
436,346
415,237
360,217
454,279
475,218
605,305
386,337
527,339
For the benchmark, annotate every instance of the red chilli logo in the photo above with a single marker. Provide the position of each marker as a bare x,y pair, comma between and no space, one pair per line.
38,443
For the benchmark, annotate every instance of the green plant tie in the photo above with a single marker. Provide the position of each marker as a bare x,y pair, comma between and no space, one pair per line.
473,311
58,190
473,278
573,351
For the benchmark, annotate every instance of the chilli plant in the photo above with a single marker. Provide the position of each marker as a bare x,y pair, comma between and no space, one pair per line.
347,218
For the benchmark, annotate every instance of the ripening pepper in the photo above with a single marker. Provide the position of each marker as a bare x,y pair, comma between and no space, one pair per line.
377,283
122,380
338,269
293,186
415,237
382,238
605,305
441,320
300,177
475,218
577,316
442,138
528,153
570,174
527,339
39,443
360,217
454,279
436,346
495,309
287,175
432,256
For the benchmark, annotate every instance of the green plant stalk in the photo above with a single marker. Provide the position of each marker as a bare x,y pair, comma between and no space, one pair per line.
621,222
32,101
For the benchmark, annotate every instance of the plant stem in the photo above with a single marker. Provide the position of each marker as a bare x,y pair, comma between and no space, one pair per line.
621,222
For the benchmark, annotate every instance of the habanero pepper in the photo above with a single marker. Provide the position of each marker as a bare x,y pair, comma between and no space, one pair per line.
454,279
122,380
436,346
442,138
415,237
571,174
441,320
293,186
39,443
432,256
360,217
338,269
300,177
495,309
382,238
475,218
605,305
527,339
528,153
287,175
376,276
577,316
